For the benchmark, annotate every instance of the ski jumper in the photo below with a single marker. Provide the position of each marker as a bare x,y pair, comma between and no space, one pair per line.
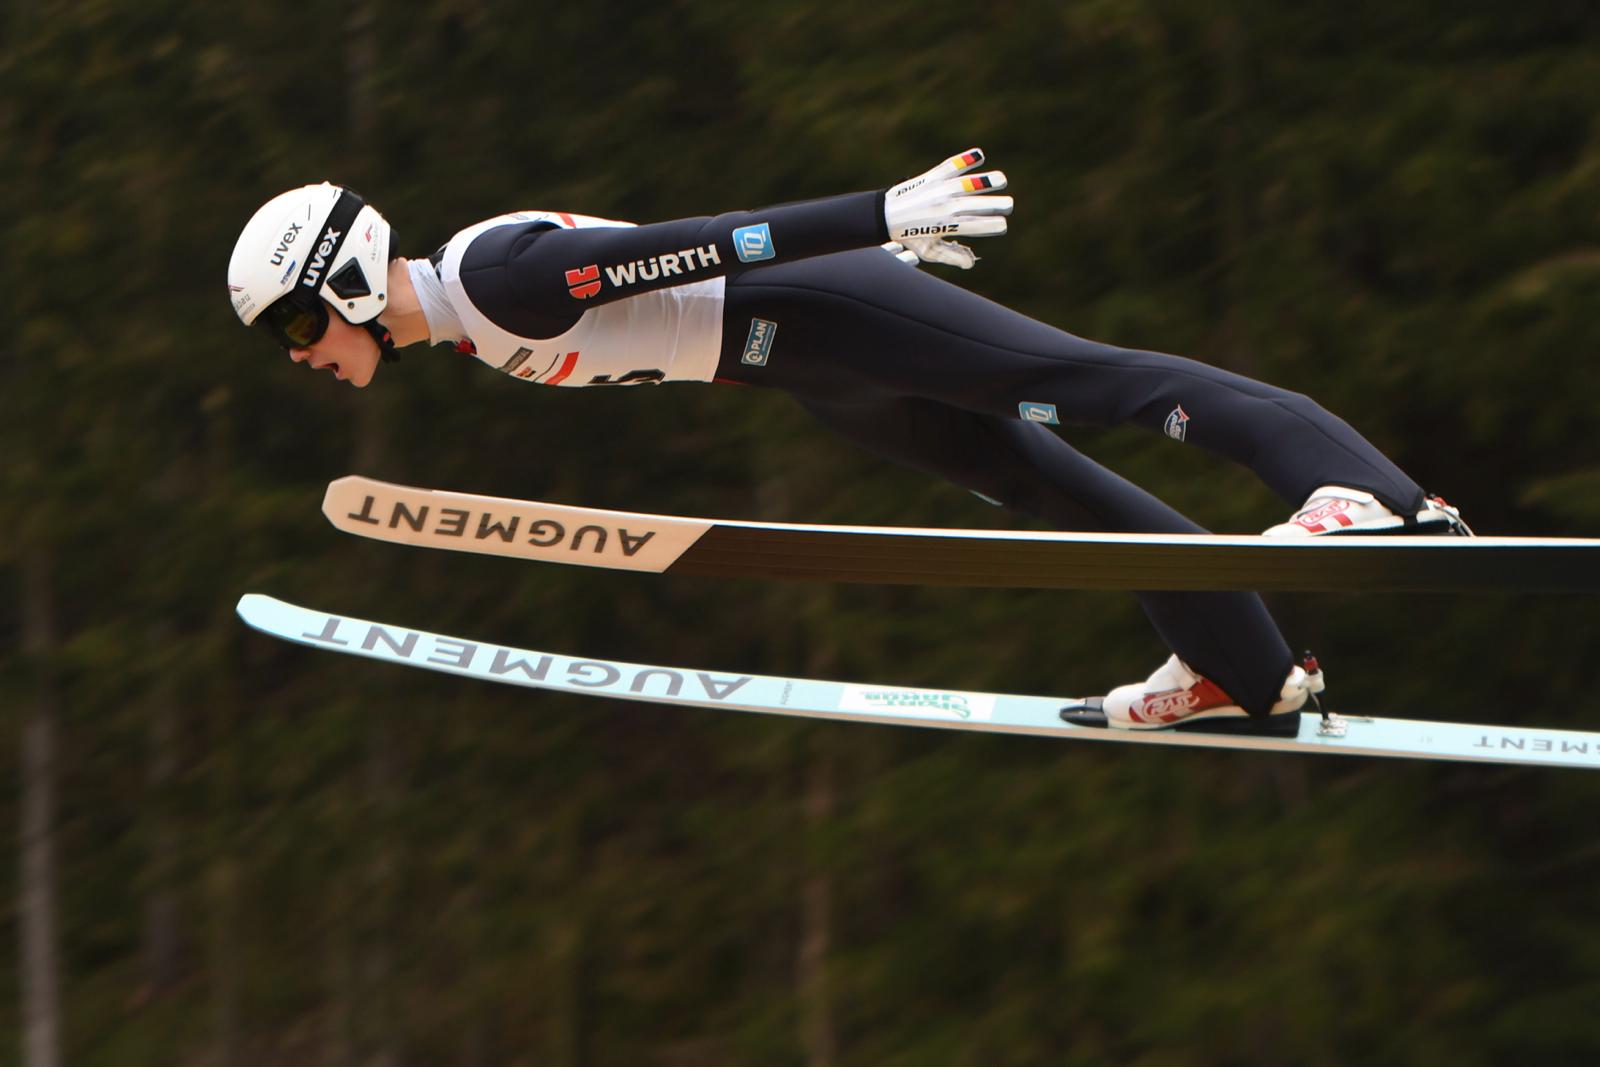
799,298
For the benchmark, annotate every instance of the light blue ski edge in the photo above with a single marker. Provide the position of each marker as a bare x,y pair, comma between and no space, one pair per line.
948,709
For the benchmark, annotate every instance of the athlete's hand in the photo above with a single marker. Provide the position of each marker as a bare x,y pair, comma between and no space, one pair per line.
931,250
941,250
924,212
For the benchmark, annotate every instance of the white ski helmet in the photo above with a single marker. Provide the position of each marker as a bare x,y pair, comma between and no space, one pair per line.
305,251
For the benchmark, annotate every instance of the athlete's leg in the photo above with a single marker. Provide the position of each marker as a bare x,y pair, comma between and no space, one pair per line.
864,321
1227,637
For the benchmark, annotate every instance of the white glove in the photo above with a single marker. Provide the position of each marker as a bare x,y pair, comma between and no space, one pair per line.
923,213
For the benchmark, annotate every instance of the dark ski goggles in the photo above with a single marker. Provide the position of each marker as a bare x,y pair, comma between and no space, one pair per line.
300,320
297,320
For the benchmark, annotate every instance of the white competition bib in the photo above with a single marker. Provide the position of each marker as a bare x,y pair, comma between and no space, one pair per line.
672,334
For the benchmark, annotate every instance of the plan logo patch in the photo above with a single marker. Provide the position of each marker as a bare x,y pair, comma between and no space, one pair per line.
753,243
917,703
584,282
1177,426
1031,411
758,345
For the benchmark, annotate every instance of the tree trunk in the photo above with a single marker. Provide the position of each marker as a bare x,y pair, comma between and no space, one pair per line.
39,963
224,908
382,1043
817,1032
571,948
816,922
1228,41
224,876
225,870
382,1014
162,932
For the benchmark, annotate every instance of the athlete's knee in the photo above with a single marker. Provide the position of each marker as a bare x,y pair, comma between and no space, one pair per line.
1310,414
1300,402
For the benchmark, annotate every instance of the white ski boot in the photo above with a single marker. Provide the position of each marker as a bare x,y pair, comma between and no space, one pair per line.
1177,698
1334,509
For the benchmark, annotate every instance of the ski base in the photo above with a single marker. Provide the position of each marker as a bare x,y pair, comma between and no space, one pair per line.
892,705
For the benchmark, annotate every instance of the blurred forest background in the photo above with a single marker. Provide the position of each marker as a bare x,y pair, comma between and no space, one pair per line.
233,852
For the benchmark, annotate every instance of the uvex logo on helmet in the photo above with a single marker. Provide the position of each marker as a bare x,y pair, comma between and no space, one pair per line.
330,241
284,242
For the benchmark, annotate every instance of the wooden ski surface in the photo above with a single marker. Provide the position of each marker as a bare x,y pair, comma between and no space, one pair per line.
665,544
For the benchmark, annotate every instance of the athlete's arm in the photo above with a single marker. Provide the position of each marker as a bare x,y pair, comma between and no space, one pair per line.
551,276
557,274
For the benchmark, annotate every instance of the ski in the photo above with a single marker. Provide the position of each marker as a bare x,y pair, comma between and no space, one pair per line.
886,704
664,544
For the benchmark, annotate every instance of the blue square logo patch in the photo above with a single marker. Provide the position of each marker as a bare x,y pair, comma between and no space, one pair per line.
1033,411
753,243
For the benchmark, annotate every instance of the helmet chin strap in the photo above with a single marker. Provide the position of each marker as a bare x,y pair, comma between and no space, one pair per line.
380,333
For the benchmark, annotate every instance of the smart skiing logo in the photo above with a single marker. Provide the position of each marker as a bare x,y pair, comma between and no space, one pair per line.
753,243
1035,412
1177,426
954,703
915,703
758,345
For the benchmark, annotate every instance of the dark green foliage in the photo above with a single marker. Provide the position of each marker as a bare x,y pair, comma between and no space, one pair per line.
1393,208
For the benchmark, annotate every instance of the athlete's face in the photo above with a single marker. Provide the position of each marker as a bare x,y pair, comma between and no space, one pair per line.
348,351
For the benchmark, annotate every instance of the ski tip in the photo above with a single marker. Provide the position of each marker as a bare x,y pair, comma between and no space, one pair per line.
338,493
252,606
